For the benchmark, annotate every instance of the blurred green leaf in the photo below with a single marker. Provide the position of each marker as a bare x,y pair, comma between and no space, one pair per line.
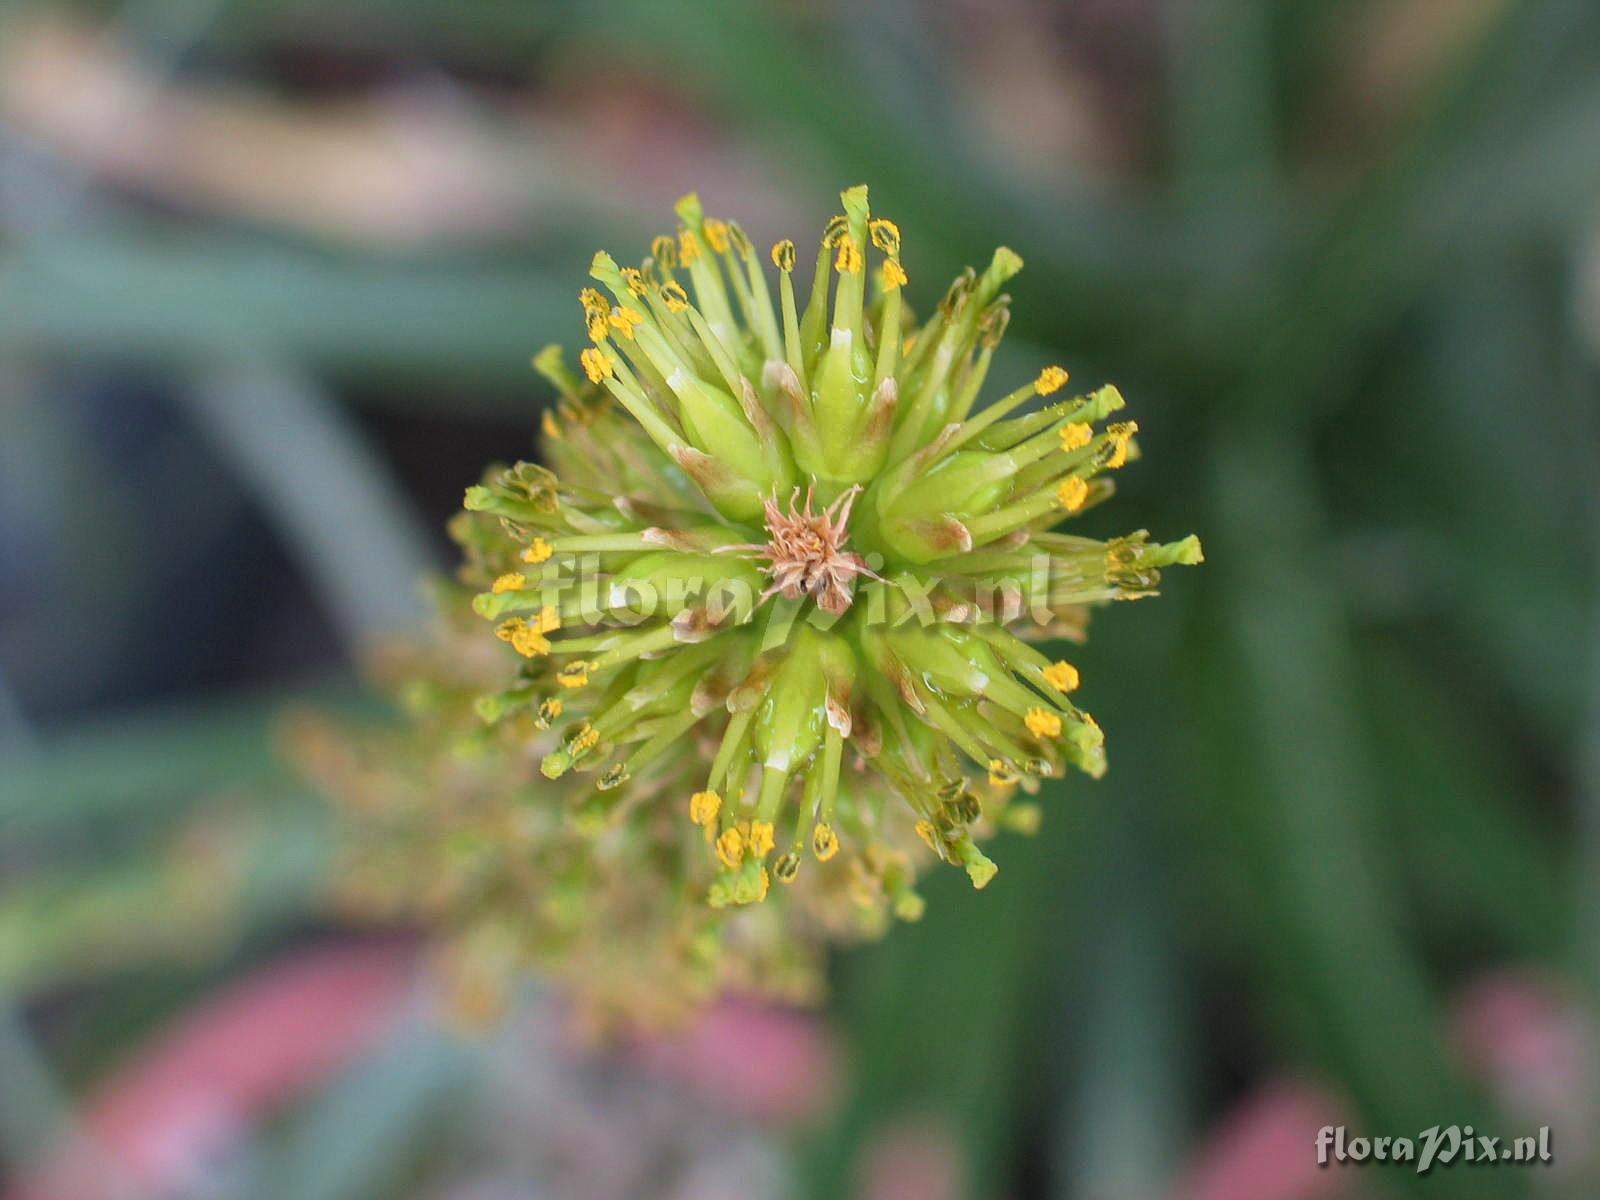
1330,938
175,904
369,1129
941,1012
1106,270
152,766
1480,860
1120,1019
306,460
190,298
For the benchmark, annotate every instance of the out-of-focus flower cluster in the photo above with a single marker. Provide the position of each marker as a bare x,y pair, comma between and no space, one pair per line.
447,823
764,619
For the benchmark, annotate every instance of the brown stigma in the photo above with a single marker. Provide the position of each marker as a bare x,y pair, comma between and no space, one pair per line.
805,552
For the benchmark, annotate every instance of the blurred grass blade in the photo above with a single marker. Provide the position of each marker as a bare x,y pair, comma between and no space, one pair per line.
189,299
34,1112
328,494
1587,906
1476,858
363,1135
16,734
1329,929
176,902
940,1017
1121,1130
148,768
1224,108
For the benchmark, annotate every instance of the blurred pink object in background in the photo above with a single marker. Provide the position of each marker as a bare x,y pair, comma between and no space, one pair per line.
768,1063
1267,1150
1524,1036
914,1159
219,1069
1538,1049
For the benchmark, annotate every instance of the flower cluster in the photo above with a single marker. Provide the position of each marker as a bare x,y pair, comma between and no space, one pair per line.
783,548
766,619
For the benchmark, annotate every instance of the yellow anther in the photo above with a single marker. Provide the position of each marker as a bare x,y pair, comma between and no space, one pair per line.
848,260
1042,723
836,227
524,639
1072,493
824,842
595,309
530,643
760,838
548,620
689,247
885,235
664,249
783,255
730,847
928,834
595,364
1075,435
548,423
1062,676
763,884
511,581
538,551
573,675
588,738
1001,773
1121,435
549,710
623,319
675,298
894,275
635,280
1051,379
716,234
704,807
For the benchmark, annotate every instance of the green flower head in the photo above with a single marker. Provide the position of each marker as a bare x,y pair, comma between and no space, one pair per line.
784,553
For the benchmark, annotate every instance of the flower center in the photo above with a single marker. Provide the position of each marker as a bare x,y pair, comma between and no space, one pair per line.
805,551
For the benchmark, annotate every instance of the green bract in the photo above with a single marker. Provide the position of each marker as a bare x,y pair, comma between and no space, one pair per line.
784,554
